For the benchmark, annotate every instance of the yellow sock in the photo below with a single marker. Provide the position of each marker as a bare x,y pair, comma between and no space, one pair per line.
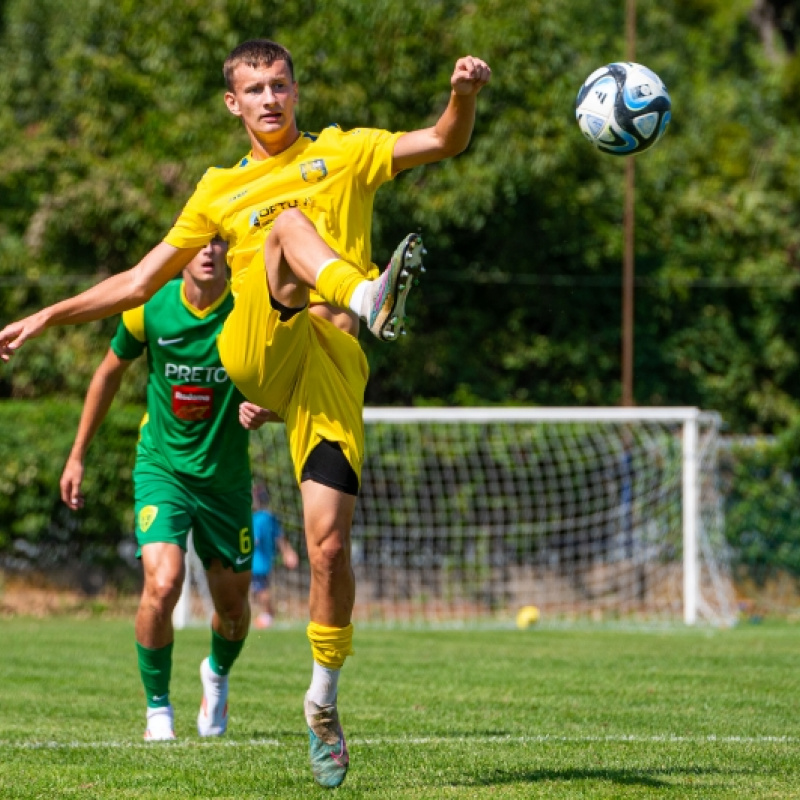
330,646
337,280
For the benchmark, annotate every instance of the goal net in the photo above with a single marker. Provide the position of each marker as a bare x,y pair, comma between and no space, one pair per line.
468,515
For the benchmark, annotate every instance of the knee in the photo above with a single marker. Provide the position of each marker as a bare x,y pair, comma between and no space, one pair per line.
161,592
234,610
286,222
330,555
234,617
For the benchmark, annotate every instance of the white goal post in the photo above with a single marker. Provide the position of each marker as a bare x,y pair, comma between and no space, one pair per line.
467,515
195,606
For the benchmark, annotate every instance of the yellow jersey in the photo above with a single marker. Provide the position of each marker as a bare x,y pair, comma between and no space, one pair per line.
331,177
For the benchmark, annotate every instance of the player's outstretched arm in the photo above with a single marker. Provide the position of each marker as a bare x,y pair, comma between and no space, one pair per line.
453,130
118,293
102,390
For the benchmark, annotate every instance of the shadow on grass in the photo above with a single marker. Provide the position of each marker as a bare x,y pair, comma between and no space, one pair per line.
653,778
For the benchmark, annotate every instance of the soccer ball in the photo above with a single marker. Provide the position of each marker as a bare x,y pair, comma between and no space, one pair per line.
527,616
623,108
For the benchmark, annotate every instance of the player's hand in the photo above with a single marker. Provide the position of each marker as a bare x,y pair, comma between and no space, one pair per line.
13,336
470,75
71,480
252,417
290,559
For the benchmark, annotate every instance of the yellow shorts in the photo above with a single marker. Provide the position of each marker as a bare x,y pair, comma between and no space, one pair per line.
307,370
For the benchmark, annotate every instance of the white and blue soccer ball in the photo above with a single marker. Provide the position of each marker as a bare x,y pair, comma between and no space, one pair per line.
623,108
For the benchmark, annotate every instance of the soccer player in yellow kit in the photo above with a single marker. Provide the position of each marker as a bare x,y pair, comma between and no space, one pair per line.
296,212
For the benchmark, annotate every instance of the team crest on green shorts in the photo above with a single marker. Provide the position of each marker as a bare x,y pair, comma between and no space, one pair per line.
146,517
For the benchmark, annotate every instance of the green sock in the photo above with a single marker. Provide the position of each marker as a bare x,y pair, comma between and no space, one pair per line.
223,653
155,667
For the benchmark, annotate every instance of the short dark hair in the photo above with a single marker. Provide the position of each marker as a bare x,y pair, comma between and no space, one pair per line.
255,53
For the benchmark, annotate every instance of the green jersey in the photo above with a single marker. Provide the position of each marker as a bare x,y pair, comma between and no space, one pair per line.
192,426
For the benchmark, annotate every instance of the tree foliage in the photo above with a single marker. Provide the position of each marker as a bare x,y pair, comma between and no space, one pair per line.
35,526
110,113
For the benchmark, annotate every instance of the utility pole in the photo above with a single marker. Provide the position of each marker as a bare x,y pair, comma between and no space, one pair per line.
628,225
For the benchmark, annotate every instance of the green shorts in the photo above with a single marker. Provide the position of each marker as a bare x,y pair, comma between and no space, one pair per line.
166,510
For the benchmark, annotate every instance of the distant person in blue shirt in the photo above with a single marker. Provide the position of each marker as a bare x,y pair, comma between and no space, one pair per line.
268,540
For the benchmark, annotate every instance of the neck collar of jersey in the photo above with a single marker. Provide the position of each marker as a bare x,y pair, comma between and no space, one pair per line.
204,312
284,155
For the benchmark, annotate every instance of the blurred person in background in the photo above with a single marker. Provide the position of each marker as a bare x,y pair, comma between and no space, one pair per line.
269,540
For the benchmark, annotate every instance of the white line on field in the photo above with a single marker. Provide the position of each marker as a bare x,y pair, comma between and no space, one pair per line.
418,740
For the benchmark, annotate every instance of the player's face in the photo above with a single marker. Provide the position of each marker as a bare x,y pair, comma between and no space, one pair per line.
264,98
209,265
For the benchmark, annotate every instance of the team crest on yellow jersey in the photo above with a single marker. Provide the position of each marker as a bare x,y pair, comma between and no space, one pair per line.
147,516
314,171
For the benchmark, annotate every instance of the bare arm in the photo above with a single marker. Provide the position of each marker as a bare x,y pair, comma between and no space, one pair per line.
453,130
103,388
118,293
288,553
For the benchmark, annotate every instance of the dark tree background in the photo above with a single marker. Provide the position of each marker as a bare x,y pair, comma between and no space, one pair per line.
110,113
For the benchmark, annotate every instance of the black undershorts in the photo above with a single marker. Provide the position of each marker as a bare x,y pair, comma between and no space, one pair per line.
328,465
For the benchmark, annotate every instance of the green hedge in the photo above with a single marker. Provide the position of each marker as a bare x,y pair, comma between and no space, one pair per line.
761,484
760,481
35,526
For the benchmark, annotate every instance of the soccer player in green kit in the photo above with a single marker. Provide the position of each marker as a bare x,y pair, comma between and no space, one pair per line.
192,473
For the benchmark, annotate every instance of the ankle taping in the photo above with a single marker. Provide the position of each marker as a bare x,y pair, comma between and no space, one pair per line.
330,646
337,281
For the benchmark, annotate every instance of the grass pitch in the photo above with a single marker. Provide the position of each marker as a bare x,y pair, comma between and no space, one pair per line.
473,714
